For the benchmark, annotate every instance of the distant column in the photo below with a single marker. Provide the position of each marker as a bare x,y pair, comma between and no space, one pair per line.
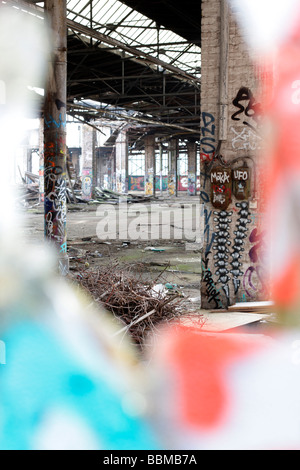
122,163
55,134
150,165
172,176
192,168
41,160
111,169
161,168
89,158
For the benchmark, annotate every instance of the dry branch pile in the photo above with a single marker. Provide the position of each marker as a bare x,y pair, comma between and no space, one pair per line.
123,291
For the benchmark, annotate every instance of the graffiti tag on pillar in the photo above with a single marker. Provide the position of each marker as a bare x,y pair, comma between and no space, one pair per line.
220,179
208,140
257,249
192,184
149,183
222,243
254,281
55,200
250,108
212,293
247,139
238,246
209,235
50,121
241,183
171,185
86,184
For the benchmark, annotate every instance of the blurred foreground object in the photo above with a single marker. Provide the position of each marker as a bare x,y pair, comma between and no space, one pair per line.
265,23
276,43
236,391
226,391
64,383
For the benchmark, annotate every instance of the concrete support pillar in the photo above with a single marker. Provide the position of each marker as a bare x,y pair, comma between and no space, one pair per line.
25,151
29,160
223,83
41,160
88,139
172,176
192,168
161,168
55,176
150,165
122,163
111,170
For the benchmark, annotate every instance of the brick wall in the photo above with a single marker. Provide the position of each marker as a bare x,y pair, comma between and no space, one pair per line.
232,267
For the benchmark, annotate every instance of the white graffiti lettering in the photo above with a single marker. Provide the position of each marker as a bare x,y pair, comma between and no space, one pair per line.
219,177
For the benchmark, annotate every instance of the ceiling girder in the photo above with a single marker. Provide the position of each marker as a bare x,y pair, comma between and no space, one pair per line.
172,96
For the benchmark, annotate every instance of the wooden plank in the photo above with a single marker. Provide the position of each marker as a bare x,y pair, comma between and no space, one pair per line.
250,307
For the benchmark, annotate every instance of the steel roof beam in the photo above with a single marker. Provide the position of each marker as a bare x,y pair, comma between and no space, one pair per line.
134,52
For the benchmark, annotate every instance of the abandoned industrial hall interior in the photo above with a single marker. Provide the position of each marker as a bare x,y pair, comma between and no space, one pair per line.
150,234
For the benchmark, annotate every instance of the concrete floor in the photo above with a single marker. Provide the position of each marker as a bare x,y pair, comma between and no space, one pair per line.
163,236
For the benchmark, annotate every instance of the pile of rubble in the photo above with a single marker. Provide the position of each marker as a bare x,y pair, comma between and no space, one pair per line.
29,194
137,304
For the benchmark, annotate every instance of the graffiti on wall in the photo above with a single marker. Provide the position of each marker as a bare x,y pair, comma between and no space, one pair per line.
220,179
121,181
221,246
254,281
208,139
236,274
247,107
172,184
55,195
210,289
86,184
248,113
149,182
246,139
137,183
208,148
192,184
238,246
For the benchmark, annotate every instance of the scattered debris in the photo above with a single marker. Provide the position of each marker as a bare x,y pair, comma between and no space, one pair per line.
171,286
139,305
259,307
195,299
151,248
254,307
29,193
112,197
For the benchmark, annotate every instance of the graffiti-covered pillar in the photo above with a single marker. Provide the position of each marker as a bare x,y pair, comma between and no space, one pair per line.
55,134
231,141
88,161
41,160
122,162
192,168
172,175
150,165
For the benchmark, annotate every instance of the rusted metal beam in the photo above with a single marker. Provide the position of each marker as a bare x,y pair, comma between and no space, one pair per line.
77,108
134,52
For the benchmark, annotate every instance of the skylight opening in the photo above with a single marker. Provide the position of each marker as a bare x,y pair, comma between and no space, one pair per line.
121,22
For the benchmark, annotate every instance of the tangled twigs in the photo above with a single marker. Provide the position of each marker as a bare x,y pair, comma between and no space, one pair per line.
123,291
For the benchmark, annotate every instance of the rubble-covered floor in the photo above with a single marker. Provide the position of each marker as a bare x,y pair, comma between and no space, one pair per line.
175,261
